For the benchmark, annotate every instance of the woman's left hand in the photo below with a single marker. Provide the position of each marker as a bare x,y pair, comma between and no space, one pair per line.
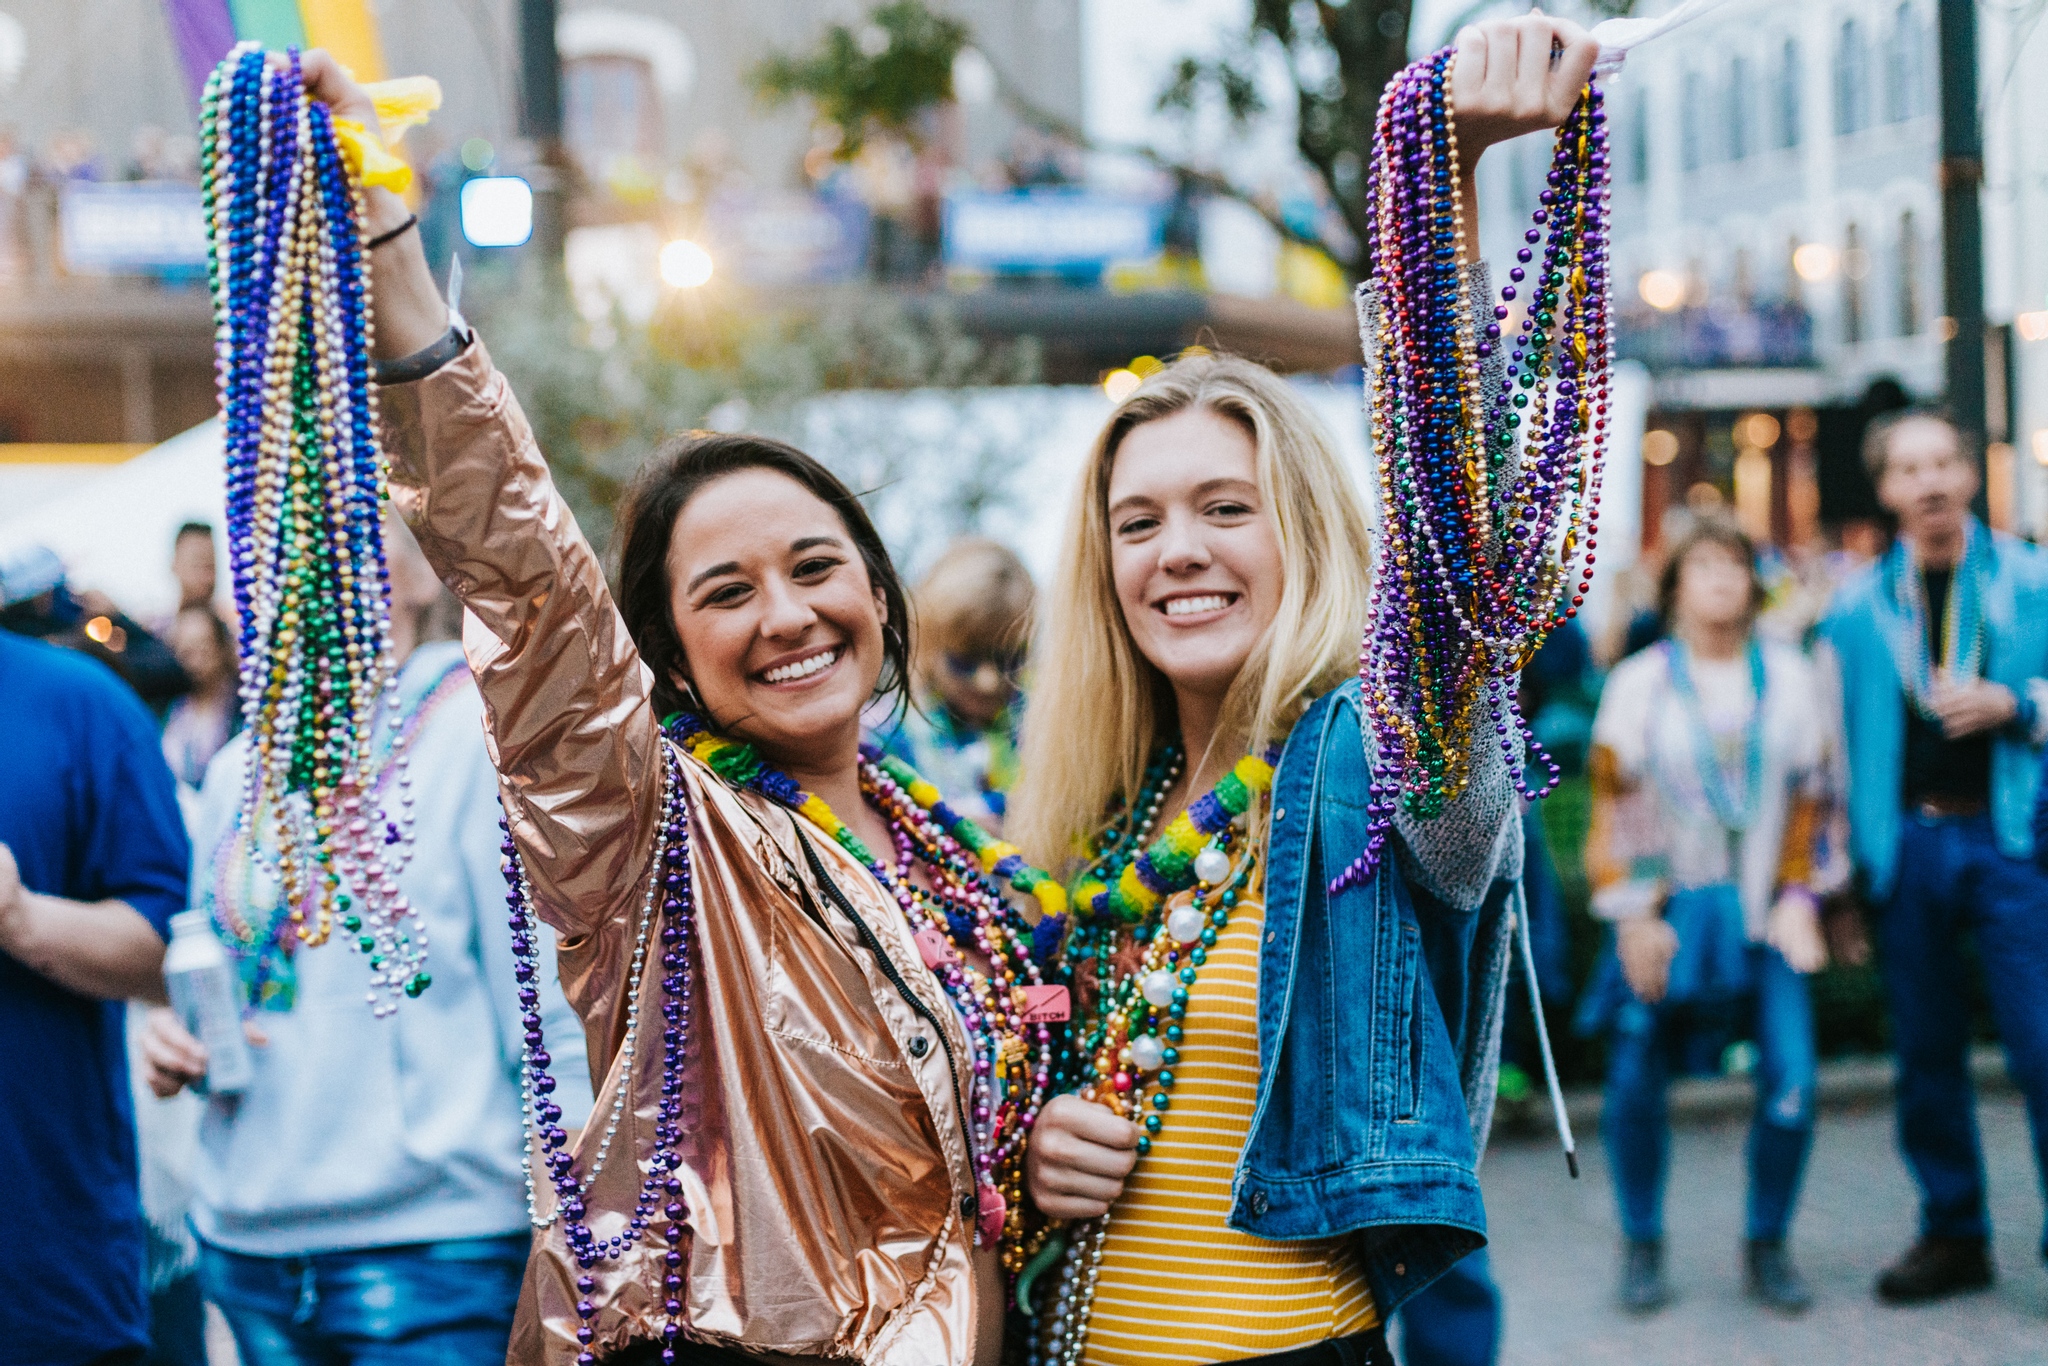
1516,76
1794,931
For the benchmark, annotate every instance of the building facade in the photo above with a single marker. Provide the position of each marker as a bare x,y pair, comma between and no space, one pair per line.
1778,248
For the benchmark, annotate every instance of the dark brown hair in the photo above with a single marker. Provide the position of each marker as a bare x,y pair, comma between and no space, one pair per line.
646,525
1877,437
1708,531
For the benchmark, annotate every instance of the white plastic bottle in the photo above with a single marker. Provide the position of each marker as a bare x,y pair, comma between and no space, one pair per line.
208,1001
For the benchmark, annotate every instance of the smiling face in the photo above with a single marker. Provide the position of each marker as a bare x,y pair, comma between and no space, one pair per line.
780,627
1193,548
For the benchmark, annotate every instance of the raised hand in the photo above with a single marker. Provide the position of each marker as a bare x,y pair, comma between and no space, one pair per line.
1516,76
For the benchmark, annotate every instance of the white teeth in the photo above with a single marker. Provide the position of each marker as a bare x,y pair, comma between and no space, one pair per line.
1187,607
803,668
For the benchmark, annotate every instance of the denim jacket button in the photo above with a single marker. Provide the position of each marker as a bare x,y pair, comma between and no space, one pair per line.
1400,1268
1259,1204
1279,815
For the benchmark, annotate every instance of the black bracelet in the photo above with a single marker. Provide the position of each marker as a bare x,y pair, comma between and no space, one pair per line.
424,362
412,220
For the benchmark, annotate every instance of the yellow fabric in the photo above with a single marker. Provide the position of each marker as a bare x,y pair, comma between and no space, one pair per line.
1178,1284
401,104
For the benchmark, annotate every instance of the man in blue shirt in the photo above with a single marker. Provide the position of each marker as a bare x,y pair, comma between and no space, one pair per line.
1943,649
93,862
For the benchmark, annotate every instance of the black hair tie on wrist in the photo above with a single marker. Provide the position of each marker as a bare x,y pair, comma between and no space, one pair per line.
412,220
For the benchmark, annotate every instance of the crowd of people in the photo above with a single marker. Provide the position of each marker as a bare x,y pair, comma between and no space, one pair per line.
777,1044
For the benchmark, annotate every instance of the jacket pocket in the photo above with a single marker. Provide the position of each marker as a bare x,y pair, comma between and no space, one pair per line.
1409,1058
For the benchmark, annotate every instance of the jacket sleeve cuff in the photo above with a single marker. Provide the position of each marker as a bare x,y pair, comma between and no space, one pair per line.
2033,713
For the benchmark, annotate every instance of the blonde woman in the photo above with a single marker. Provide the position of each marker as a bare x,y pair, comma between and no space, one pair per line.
1313,1112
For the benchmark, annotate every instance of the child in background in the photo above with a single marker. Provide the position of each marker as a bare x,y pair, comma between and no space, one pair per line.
974,609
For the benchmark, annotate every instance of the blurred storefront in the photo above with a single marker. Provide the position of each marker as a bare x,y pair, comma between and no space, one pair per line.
1778,256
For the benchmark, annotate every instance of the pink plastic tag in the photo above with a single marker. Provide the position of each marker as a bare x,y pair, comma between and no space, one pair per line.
935,948
1046,1005
993,1210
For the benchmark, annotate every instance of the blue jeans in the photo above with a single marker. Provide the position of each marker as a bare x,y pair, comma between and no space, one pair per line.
1637,1129
428,1304
1455,1320
1953,880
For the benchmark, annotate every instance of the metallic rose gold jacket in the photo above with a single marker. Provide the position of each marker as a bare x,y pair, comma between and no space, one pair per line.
824,1163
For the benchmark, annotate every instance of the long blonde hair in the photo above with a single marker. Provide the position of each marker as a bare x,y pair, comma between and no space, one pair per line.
1098,707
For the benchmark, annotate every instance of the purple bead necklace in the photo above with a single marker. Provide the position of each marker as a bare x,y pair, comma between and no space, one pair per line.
660,1208
1489,501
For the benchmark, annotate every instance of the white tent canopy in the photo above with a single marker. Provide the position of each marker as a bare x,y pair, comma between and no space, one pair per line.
114,532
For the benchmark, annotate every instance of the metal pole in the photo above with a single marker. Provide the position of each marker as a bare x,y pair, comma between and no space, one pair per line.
540,122
1962,224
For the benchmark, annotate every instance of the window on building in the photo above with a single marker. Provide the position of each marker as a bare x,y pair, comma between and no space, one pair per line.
1692,121
1852,79
611,114
1789,76
1906,67
1853,320
1912,308
1738,118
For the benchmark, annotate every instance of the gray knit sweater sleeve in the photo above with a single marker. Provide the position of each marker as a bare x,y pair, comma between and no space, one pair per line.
1458,854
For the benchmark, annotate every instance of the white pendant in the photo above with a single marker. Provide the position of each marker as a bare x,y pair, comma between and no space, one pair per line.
1212,865
1185,925
1159,987
1147,1053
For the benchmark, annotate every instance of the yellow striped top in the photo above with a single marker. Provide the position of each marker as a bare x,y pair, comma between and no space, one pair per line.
1178,1284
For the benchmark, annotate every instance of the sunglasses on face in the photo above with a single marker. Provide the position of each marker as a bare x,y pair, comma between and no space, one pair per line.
1007,663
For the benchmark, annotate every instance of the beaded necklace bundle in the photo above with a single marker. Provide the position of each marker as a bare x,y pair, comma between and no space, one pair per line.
1006,1010
1961,624
1488,501
660,1205
305,491
239,891
1129,1040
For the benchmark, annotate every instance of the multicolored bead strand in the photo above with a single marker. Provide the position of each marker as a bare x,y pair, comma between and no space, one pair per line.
305,494
960,912
1130,1038
1489,501
660,1207
1138,885
249,917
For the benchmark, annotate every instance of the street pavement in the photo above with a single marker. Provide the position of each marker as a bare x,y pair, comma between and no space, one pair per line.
1555,1240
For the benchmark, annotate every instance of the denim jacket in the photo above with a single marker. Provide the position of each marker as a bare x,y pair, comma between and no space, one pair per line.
1379,1013
1874,709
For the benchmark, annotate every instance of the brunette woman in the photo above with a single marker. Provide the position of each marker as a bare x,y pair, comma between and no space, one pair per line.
1710,806
809,1098
1312,1113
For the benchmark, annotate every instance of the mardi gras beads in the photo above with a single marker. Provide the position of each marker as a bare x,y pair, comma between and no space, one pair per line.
660,1206
1489,501
1131,1033
959,910
1172,863
305,490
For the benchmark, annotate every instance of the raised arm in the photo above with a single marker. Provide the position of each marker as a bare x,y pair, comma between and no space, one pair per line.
566,697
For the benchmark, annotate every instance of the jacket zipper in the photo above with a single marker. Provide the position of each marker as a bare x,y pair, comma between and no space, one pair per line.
874,944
